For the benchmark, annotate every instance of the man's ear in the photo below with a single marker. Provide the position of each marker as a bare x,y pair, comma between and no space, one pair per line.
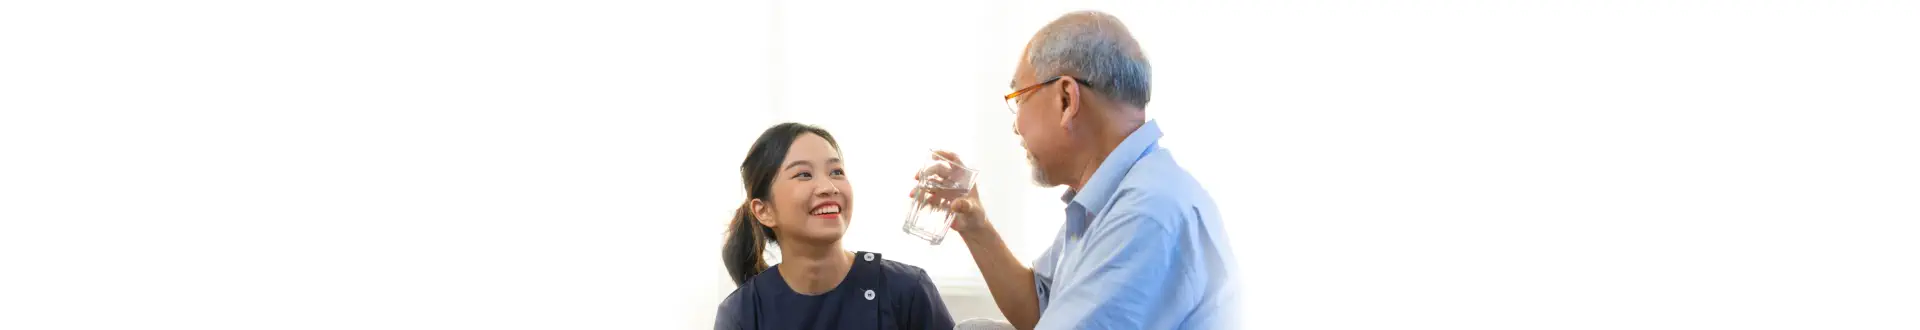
763,213
1069,101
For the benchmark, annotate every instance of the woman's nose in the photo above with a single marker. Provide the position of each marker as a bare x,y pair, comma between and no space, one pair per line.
827,188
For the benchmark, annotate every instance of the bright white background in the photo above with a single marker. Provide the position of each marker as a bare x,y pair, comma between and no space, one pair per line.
570,165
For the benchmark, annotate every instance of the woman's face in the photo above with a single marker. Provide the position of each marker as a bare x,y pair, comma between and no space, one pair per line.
811,199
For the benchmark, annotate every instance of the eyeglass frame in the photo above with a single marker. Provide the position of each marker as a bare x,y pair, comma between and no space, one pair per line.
1013,105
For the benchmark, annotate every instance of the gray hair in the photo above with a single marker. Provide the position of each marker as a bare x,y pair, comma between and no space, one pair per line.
1094,48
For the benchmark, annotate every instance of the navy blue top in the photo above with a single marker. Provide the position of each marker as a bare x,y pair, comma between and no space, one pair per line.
877,294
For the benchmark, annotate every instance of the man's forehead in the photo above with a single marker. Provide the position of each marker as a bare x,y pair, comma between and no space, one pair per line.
1020,69
1024,51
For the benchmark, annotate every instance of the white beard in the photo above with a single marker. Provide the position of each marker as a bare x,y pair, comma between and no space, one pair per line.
1039,177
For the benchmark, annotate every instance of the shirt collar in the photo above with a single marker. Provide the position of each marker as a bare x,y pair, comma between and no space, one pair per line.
1094,195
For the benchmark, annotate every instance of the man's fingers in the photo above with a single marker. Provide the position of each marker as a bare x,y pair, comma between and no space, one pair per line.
947,155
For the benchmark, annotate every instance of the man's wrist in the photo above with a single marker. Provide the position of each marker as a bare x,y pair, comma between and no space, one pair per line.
980,231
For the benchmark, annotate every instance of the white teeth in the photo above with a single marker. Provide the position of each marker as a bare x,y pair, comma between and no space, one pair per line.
826,209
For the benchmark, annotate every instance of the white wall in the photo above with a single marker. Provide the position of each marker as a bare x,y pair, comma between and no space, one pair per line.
433,164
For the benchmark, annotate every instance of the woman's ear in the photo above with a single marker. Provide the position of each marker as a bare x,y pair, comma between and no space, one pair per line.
763,213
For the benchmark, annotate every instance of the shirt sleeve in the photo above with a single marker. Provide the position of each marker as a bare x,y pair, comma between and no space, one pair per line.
731,314
1042,275
924,308
1129,279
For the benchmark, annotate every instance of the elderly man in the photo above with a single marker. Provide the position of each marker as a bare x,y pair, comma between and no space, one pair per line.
1143,246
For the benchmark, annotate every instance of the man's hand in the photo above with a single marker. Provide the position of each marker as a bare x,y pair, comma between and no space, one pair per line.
1009,280
970,216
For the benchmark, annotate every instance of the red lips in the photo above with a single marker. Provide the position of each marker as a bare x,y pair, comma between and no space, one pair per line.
826,209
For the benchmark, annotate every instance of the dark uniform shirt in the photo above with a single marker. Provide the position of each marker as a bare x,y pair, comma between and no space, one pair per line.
877,294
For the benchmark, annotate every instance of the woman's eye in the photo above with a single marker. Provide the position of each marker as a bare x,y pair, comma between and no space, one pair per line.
803,175
839,172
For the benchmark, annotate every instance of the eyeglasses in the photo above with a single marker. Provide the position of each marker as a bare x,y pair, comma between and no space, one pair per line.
1013,101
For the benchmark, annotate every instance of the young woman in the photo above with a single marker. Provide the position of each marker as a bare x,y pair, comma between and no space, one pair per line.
798,197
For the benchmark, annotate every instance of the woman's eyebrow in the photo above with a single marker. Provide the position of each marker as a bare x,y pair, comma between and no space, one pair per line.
830,161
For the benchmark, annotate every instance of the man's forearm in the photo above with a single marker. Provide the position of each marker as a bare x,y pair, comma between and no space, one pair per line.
1010,281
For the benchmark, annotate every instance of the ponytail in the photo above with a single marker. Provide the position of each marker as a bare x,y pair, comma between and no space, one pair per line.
746,242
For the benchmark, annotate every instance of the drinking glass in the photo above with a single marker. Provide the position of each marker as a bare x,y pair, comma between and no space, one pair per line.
942,182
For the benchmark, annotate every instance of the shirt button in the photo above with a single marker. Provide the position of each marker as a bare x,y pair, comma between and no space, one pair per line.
869,294
869,256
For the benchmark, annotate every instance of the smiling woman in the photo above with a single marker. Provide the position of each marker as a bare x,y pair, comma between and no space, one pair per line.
798,197
782,158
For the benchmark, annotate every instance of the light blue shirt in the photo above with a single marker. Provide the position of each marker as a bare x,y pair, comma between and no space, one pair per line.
1142,248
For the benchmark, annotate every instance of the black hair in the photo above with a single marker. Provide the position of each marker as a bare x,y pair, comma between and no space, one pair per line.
747,239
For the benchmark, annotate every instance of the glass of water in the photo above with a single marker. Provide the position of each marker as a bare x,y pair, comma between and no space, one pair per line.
942,182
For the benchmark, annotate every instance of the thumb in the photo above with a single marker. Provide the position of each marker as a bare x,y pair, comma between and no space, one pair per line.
963,206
